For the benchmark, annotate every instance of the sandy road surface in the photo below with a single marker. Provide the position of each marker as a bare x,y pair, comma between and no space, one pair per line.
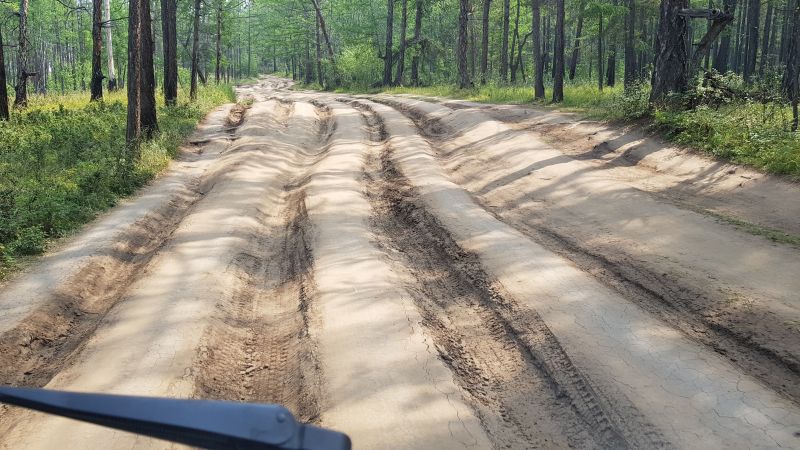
423,275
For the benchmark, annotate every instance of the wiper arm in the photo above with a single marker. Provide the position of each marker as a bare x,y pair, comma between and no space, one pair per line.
200,423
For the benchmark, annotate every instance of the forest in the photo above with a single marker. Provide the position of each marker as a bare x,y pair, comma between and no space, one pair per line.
722,78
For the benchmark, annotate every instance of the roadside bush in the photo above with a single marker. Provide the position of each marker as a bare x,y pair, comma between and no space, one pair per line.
60,163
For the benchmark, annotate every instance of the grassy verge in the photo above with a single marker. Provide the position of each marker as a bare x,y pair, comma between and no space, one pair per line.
742,131
60,163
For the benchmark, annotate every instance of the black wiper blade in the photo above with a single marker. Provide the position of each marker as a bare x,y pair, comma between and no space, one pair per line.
200,423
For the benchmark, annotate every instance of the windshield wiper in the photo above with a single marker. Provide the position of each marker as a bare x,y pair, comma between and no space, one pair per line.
200,423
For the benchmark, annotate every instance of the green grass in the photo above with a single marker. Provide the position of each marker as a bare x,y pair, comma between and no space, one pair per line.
743,131
61,165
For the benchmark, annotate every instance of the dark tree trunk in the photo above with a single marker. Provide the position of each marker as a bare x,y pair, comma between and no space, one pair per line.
576,47
765,38
401,52
387,55
3,89
97,48
170,36
148,75
670,71
325,35
21,98
218,44
611,67
463,19
538,62
195,50
630,48
753,19
791,75
600,52
134,127
514,45
724,48
504,41
320,79
485,41
417,36
558,56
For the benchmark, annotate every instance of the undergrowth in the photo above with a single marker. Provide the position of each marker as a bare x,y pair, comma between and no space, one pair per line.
60,163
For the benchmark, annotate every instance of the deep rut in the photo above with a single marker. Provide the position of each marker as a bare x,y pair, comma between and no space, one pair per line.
524,387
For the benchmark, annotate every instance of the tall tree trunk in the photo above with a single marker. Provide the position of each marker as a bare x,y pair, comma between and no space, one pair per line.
170,37
3,89
504,41
218,44
600,52
538,62
724,48
148,75
97,50
753,21
134,127
463,21
485,41
514,41
765,38
791,76
387,56
558,56
576,47
670,71
112,73
630,48
417,36
401,53
325,35
195,51
319,52
21,98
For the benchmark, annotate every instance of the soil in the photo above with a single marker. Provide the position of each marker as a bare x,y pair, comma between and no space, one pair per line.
428,274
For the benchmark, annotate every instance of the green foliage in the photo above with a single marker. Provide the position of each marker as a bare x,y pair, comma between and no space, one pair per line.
60,163
359,65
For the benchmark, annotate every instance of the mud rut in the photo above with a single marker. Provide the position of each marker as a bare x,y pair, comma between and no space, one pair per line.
491,371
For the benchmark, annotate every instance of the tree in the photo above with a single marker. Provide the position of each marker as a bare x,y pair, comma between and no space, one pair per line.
418,43
133,131
558,62
148,76
112,73
485,41
387,56
218,43
538,61
97,49
630,49
670,71
170,38
724,47
195,51
401,53
504,42
21,98
4,115
576,47
791,75
463,18
753,21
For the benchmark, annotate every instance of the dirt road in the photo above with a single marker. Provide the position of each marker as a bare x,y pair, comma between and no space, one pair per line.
425,274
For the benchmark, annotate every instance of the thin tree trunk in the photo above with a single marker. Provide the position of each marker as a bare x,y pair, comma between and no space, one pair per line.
170,37
417,36
387,56
538,62
765,38
195,51
600,52
401,53
485,41
724,48
21,98
514,41
319,52
504,42
148,75
218,44
791,74
4,115
97,49
753,21
463,18
576,47
630,49
558,61
112,73
134,127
